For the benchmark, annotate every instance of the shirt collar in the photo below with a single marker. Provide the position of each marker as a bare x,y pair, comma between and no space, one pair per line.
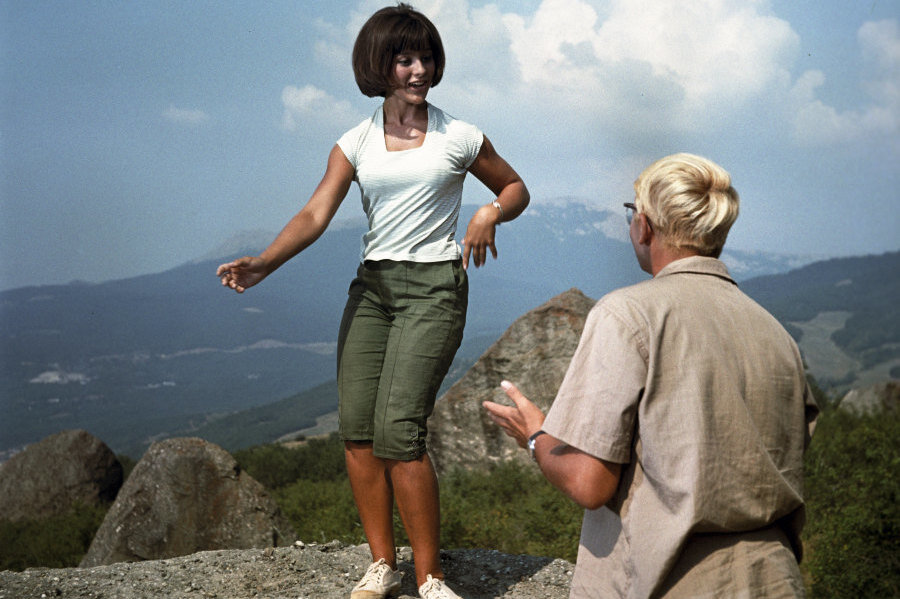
703,265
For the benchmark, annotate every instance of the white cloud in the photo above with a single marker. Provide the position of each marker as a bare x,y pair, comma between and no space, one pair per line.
308,106
547,48
59,377
645,58
817,123
317,347
880,42
185,116
623,81
714,50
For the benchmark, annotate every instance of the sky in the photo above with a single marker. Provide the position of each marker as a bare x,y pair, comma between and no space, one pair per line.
137,136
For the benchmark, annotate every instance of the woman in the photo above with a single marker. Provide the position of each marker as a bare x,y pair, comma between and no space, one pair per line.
406,309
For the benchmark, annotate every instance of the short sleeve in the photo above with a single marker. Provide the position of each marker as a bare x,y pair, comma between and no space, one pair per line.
596,407
463,140
472,142
350,142
347,144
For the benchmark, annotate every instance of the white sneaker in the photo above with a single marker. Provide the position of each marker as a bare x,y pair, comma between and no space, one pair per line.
378,582
434,588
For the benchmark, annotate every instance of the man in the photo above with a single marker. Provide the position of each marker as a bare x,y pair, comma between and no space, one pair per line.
682,421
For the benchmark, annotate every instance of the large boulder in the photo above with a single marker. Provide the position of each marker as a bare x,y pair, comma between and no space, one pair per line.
187,495
533,353
52,476
873,400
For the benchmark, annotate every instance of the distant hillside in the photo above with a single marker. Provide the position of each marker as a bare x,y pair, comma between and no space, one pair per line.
845,313
143,358
804,295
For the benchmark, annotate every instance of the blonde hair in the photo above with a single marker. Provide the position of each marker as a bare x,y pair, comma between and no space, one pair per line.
689,201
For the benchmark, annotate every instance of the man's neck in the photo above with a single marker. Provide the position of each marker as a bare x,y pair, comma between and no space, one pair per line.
661,255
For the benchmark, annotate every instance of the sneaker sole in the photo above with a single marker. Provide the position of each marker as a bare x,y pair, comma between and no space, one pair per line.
374,594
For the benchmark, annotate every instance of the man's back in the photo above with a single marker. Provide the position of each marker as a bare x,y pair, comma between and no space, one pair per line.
685,413
709,395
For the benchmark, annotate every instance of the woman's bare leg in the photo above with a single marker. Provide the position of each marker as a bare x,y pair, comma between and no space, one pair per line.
374,499
416,488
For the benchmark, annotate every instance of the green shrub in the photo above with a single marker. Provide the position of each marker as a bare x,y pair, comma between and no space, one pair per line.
512,508
55,542
128,465
852,535
321,511
276,466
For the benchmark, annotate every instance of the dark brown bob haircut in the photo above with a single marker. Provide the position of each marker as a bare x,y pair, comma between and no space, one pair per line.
388,32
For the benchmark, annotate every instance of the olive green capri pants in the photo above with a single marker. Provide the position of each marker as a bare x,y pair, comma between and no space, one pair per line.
400,331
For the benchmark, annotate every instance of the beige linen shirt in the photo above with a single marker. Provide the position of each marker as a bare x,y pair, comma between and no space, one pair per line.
701,394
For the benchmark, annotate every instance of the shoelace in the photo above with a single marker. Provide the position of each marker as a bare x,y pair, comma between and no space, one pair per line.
433,585
374,573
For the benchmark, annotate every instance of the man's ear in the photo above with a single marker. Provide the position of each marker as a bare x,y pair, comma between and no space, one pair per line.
645,229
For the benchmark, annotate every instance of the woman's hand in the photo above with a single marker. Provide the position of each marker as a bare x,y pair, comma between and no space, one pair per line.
480,236
243,273
496,174
302,230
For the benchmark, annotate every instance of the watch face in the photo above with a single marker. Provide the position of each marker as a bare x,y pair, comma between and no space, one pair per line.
531,442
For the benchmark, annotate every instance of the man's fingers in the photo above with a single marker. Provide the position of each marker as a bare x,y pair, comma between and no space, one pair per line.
497,410
502,416
512,392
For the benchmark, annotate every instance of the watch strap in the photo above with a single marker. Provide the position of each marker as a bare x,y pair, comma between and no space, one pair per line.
531,441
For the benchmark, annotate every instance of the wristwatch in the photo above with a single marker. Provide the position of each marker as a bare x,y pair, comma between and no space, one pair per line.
531,441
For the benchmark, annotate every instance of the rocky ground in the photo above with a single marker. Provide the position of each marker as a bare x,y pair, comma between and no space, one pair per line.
298,572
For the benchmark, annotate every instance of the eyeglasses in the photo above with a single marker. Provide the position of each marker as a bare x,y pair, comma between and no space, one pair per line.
630,211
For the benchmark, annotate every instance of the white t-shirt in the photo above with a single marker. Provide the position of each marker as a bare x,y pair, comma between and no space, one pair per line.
412,197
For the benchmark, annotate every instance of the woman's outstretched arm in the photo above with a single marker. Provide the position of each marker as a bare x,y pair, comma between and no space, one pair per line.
300,232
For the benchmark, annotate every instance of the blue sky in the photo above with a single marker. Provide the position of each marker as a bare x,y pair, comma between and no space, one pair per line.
136,136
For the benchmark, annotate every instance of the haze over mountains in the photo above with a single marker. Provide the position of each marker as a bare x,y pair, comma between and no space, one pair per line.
138,359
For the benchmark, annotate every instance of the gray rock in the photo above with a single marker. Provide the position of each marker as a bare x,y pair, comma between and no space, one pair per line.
301,571
533,353
187,495
53,475
873,400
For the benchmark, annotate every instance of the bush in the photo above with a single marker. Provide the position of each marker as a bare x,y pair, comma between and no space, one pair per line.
128,465
321,511
512,509
852,491
276,466
852,535
55,542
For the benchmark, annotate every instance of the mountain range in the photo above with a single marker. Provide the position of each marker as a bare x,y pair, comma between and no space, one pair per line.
173,353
